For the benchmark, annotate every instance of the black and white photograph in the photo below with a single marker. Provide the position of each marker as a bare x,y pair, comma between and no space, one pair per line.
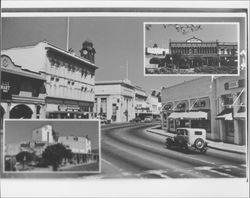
191,48
46,146
125,101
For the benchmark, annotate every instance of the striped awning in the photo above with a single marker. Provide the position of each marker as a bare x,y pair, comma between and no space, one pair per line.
188,115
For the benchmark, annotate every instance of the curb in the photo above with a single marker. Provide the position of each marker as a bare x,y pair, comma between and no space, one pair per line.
226,150
213,147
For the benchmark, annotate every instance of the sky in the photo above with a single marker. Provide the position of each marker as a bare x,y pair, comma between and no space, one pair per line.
21,130
208,32
116,40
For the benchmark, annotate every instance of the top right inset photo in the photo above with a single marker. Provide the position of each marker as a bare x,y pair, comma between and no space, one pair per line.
191,48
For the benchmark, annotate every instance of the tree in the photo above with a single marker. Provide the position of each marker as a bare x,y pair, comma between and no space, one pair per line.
25,157
183,28
155,61
54,154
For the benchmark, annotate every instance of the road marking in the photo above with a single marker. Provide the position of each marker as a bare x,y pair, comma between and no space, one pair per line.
161,173
210,169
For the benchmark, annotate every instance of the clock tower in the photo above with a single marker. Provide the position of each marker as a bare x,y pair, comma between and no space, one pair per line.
88,51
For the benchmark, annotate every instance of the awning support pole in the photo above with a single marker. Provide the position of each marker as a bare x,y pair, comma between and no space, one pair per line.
238,96
193,104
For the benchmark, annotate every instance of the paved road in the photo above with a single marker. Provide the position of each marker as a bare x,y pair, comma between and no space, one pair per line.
132,152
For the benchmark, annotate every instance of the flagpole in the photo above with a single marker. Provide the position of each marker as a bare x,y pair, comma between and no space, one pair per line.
127,69
67,47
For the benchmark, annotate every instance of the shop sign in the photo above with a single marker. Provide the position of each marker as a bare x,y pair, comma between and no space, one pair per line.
5,90
5,86
200,104
234,84
68,108
168,106
181,106
203,103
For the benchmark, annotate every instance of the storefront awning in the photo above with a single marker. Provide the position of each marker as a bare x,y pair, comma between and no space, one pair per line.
241,114
226,114
188,115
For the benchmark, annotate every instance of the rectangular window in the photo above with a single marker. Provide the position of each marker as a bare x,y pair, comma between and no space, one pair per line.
198,133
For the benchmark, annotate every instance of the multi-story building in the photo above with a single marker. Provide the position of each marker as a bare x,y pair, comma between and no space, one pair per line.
80,147
22,91
216,104
69,78
209,53
115,100
43,134
154,103
142,107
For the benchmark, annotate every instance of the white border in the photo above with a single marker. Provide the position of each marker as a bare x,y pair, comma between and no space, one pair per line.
122,14
122,3
127,187
207,23
50,173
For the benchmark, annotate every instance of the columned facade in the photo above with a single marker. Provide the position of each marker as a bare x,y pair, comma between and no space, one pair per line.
115,101
201,53
22,92
69,79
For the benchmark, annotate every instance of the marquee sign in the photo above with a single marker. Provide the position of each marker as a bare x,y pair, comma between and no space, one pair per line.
68,108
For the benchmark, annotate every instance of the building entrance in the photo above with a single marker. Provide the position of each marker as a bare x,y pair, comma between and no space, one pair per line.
21,111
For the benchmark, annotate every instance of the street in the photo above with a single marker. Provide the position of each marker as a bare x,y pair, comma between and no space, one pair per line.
132,152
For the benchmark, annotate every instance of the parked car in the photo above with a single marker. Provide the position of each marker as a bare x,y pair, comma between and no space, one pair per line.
102,119
136,120
188,138
148,119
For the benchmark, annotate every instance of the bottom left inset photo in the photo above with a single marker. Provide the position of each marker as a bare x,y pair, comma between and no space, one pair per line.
38,147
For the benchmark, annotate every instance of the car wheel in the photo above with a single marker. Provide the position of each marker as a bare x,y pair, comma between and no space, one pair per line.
199,144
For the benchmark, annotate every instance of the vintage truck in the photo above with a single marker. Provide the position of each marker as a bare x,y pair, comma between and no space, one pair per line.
187,138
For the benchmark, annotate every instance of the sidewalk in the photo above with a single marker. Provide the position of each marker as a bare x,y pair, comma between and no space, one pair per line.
212,144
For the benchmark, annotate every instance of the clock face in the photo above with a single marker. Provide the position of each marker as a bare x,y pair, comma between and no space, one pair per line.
5,62
85,52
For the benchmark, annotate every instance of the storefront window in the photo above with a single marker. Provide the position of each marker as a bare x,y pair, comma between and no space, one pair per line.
203,124
229,128
171,125
227,99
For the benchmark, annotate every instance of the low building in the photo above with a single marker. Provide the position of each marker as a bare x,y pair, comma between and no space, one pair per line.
79,146
215,104
231,113
115,100
69,78
182,99
22,91
156,51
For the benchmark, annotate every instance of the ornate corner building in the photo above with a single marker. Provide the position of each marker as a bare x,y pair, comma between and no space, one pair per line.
57,82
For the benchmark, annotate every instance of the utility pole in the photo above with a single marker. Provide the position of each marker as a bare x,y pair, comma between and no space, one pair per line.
127,70
67,47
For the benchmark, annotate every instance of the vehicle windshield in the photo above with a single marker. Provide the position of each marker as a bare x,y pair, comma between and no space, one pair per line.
182,132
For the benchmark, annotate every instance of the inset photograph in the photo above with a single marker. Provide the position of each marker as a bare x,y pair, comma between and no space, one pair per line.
51,146
191,48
